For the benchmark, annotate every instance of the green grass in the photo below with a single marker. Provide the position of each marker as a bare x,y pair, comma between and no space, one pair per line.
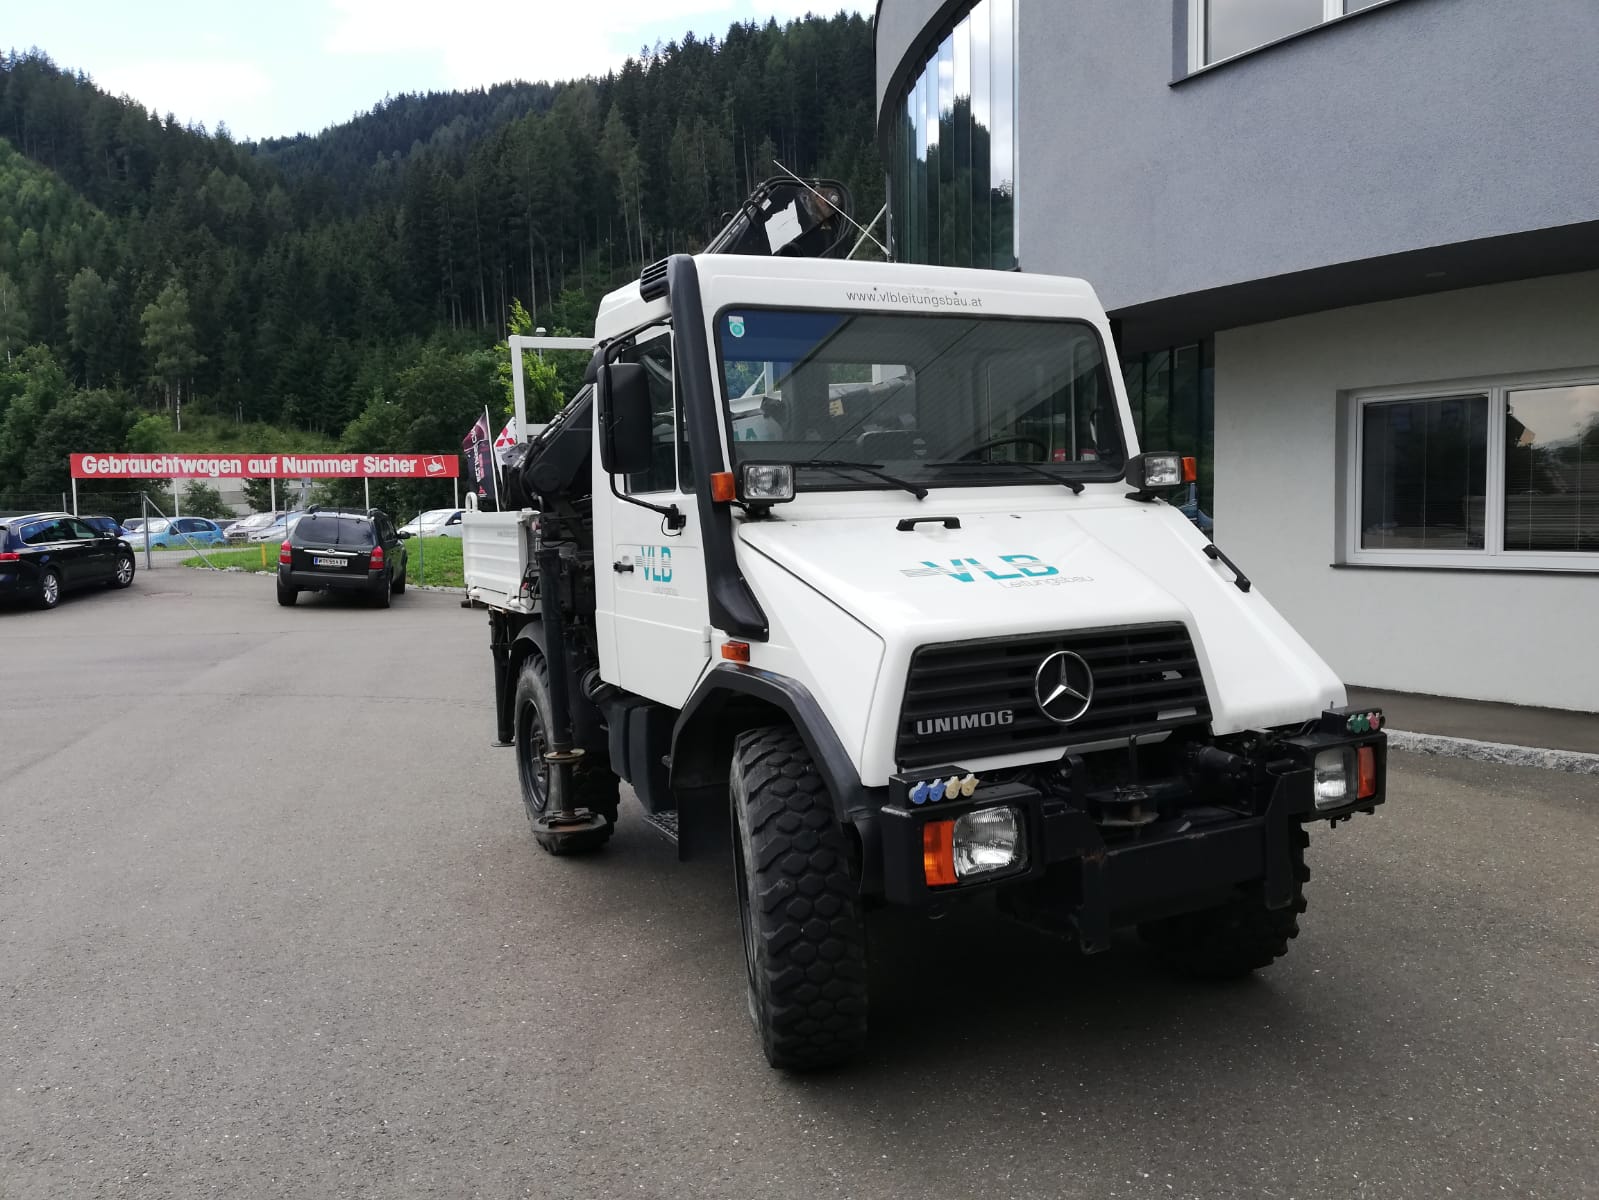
440,555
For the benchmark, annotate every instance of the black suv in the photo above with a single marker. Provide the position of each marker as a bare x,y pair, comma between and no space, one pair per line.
335,550
45,555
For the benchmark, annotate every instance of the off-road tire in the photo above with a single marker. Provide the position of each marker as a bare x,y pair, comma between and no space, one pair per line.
1237,938
799,909
49,588
287,595
121,578
598,788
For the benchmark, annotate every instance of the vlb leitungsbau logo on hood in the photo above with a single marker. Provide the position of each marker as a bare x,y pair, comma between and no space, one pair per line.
1010,570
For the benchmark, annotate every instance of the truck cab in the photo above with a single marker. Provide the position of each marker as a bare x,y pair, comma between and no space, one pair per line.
859,568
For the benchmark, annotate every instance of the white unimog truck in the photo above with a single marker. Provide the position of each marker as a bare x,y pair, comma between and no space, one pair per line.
861,568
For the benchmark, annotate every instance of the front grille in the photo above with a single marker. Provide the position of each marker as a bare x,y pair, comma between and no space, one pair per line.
1146,679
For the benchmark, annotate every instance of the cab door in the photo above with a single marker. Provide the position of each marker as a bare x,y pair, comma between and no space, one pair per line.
650,577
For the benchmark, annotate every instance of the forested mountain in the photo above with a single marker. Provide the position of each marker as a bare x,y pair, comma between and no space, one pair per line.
174,272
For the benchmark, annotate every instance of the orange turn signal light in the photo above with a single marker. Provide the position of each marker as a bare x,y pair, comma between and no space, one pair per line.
1190,470
736,651
1366,772
938,853
724,488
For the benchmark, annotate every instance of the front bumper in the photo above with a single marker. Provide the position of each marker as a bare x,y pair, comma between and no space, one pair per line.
1094,879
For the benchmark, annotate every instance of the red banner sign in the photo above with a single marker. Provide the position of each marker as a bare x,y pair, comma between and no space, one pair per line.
265,466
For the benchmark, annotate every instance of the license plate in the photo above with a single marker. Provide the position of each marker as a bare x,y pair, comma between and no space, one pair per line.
329,562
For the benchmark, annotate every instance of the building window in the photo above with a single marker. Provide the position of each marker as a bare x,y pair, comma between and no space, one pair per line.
1222,29
952,165
1501,474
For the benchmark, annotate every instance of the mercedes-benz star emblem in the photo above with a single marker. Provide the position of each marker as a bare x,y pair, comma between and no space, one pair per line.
1063,687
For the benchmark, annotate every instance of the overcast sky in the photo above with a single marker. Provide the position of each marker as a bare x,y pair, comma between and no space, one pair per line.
289,66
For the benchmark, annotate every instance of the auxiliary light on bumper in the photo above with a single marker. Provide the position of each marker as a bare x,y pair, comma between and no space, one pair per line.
950,830
1347,754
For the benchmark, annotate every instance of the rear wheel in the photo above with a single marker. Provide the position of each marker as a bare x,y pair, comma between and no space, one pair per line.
398,585
1237,938
598,789
798,905
383,591
49,588
287,594
122,576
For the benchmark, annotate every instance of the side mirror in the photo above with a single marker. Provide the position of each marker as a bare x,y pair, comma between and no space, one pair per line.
626,429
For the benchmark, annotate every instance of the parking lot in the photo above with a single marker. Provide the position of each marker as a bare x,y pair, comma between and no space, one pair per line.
272,924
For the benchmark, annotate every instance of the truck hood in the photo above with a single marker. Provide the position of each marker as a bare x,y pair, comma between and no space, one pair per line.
1026,572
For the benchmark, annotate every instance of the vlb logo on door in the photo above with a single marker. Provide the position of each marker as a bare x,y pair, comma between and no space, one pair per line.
655,564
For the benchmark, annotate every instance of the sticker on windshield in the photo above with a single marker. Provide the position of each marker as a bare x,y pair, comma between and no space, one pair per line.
735,326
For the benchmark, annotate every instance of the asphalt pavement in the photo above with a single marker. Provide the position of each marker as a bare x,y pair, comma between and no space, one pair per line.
272,924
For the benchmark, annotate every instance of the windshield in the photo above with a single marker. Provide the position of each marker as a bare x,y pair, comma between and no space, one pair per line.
943,401
149,526
134,525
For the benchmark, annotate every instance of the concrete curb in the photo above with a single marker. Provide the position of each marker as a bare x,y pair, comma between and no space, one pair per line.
1571,761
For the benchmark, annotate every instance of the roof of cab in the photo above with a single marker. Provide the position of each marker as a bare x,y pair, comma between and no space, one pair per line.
626,309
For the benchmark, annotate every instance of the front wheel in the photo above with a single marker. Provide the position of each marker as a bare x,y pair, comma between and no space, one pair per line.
598,789
1237,938
798,905
123,575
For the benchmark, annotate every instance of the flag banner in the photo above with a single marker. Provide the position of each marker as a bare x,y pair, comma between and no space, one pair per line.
507,437
265,466
476,450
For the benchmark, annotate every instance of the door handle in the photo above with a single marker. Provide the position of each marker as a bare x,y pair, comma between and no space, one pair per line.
622,567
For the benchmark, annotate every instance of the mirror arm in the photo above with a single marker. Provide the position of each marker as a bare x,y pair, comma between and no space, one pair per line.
675,519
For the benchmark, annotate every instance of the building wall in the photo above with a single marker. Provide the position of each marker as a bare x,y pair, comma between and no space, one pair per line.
1417,124
1522,638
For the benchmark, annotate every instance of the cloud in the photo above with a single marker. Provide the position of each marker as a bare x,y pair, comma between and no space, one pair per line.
194,90
479,42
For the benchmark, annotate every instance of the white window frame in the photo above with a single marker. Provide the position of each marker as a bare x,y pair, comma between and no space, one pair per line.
1493,556
1199,16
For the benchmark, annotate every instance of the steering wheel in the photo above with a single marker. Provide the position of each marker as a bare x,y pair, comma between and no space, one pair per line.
971,455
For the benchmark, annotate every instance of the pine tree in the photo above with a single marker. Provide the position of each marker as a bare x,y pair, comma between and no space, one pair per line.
169,345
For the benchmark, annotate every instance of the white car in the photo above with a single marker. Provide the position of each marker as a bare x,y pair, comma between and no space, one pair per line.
278,530
436,522
241,530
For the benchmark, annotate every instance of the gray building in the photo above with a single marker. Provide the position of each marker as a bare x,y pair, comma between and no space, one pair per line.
1351,248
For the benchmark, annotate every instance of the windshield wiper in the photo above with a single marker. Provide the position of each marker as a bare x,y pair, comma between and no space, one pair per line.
839,464
1075,485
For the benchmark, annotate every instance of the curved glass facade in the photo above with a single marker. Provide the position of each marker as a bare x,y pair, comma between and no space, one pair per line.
952,168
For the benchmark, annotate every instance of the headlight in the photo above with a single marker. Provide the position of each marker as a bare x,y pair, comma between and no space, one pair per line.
989,840
1333,770
767,483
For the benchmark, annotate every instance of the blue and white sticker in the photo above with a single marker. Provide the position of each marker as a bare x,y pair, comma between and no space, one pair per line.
735,326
